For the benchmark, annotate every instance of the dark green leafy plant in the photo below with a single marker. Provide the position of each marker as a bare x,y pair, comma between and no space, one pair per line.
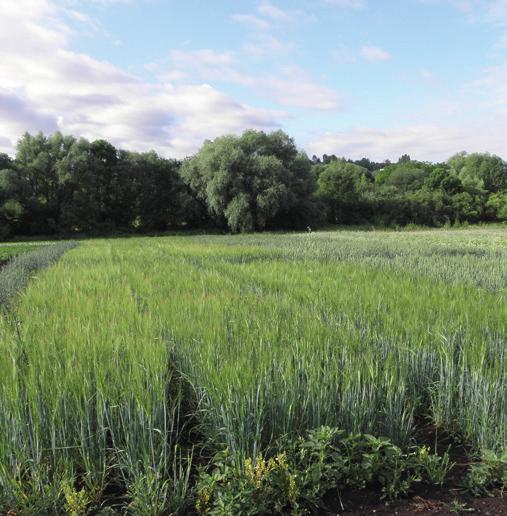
489,474
260,486
297,479
433,467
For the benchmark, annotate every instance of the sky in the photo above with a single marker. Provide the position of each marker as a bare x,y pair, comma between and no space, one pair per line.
374,78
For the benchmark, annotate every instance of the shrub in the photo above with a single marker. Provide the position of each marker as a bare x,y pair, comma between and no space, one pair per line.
306,468
489,474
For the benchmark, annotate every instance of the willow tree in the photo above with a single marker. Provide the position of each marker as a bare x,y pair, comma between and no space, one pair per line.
252,182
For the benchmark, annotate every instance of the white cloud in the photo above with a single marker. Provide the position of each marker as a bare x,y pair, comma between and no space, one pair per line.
272,11
372,53
270,16
434,142
291,86
265,45
197,66
46,86
351,4
108,2
343,55
490,12
202,57
19,116
428,76
492,85
471,118
253,21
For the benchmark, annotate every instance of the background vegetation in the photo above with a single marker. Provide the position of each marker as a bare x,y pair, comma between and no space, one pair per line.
62,185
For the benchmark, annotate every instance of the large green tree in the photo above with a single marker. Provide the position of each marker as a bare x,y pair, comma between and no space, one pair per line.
256,181
162,200
480,171
252,182
496,206
98,187
12,193
37,159
341,186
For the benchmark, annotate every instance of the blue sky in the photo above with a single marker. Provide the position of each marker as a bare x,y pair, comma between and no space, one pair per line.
356,78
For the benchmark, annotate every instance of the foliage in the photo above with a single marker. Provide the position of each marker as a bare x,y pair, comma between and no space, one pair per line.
497,204
488,474
252,182
457,507
61,184
296,479
76,502
480,171
340,187
405,176
468,188
260,486
434,467
256,181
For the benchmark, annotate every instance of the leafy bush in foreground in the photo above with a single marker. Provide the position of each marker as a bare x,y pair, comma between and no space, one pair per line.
489,474
15,276
296,479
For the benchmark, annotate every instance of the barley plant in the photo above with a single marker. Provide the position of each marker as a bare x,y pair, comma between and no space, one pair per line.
24,262
129,360
9,250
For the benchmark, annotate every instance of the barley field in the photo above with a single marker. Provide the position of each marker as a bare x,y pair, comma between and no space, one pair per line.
131,359
10,250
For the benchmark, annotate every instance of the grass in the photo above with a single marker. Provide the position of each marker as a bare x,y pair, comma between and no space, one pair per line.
22,266
131,358
10,250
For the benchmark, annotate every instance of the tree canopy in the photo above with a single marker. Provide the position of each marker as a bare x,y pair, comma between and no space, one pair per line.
59,184
251,182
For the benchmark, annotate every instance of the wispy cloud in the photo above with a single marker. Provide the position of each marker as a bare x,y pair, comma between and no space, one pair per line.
349,4
294,87
435,142
266,45
108,2
44,85
491,86
268,15
491,12
204,56
272,11
291,86
372,53
253,21
343,55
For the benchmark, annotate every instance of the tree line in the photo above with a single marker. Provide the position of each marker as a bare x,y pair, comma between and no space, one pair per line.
63,185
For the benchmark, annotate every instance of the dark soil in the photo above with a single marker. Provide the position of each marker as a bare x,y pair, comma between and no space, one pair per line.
424,499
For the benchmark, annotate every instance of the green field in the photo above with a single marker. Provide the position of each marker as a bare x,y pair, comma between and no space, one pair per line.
131,355
9,250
